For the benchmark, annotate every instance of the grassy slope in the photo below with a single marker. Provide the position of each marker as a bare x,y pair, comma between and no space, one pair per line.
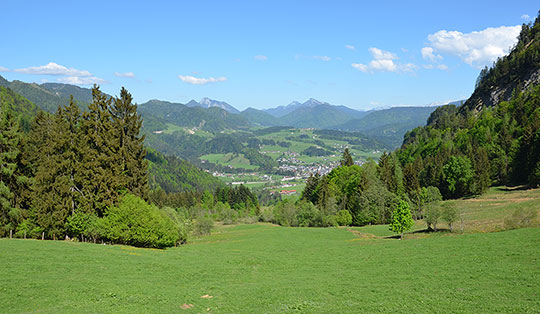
264,268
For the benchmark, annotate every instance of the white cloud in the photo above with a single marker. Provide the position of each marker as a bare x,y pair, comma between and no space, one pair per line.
52,68
427,54
477,48
383,65
200,81
360,67
261,57
87,80
383,61
379,54
350,47
526,17
443,67
71,75
2,69
323,58
126,74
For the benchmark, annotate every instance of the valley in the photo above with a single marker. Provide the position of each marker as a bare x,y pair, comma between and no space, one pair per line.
280,157
274,158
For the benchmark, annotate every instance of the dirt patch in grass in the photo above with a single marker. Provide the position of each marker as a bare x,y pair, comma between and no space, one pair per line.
186,306
363,235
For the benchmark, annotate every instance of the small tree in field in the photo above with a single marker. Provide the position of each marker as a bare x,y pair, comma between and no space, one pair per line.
449,215
401,218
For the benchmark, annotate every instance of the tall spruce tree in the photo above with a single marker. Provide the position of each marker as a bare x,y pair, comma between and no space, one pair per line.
12,180
347,160
130,151
57,191
100,170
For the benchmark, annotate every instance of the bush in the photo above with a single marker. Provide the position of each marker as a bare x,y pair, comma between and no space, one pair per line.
228,215
203,225
285,214
182,222
433,213
521,218
344,218
329,221
78,223
29,228
450,215
266,214
135,222
308,215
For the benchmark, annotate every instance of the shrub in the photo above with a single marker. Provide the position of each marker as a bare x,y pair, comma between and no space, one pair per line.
344,218
521,218
29,228
78,223
203,225
450,215
329,221
285,214
308,215
228,215
266,214
182,222
135,222
433,213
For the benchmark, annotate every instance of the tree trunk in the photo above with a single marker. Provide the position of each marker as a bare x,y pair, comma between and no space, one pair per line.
401,236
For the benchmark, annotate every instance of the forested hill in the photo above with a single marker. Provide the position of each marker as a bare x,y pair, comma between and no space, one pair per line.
49,96
18,105
211,119
389,125
494,138
173,174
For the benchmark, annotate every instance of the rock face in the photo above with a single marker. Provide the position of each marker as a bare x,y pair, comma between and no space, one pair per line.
514,73
494,94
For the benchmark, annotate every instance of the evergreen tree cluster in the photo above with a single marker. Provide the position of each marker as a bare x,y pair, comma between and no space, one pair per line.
240,198
71,167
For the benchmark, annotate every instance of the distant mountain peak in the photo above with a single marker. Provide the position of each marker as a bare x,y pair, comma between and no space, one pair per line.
206,102
313,102
192,103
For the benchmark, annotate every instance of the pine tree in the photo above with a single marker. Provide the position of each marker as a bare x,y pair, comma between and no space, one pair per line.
56,190
12,180
129,145
347,160
390,173
100,170
310,191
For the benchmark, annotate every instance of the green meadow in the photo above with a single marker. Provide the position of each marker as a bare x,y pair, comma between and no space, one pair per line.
268,269
265,268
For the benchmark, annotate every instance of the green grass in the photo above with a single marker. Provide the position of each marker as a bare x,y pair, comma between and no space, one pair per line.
230,159
269,269
487,212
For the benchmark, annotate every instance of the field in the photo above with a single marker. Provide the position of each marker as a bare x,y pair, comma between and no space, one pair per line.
271,269
263,268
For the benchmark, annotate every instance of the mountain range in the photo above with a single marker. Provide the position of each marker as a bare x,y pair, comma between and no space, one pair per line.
215,116
209,103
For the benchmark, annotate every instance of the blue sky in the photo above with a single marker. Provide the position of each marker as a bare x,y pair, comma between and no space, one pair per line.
262,53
